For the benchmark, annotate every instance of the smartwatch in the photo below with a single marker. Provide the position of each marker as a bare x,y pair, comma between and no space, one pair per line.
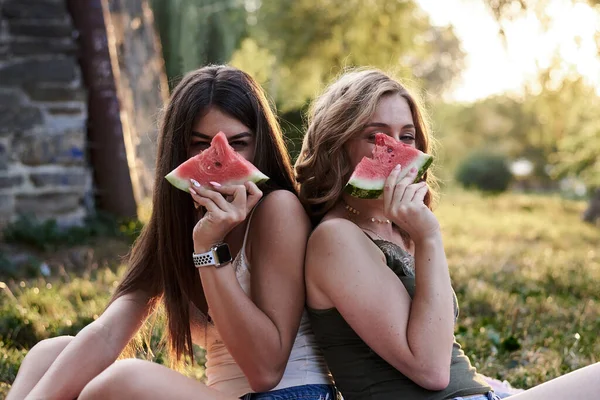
217,256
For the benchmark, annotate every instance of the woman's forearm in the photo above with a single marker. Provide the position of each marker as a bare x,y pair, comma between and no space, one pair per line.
431,325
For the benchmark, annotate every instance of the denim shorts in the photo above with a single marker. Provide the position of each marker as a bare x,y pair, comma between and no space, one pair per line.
487,396
304,392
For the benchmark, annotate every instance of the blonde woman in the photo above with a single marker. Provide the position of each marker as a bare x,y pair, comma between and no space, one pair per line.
378,288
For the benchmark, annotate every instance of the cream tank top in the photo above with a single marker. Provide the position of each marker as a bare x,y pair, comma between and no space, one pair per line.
306,365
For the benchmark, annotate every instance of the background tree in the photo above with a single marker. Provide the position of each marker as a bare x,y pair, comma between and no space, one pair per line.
295,48
198,32
310,42
567,133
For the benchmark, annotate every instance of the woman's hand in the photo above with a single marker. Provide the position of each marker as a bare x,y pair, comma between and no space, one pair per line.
221,215
403,204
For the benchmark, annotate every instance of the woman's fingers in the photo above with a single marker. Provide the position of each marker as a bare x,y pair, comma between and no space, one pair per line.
389,186
254,195
205,202
409,193
225,190
421,192
214,195
402,185
237,200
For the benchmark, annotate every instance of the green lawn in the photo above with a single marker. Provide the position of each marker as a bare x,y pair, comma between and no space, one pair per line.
526,273
525,270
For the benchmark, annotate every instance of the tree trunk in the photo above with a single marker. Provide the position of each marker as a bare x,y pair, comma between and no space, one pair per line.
592,214
142,86
112,182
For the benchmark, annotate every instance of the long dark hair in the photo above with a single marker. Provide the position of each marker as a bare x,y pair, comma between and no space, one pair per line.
160,263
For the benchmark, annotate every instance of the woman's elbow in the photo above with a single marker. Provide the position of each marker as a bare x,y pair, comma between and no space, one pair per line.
265,379
436,379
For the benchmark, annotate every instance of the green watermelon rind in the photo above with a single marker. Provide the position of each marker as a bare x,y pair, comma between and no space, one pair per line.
179,183
184,183
371,189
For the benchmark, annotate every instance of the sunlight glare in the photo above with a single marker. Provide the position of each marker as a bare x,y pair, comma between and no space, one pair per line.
492,68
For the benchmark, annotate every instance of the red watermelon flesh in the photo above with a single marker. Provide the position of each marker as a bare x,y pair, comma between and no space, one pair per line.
370,174
219,163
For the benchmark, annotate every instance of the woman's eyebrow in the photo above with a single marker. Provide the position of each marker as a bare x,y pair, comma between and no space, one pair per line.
238,136
376,125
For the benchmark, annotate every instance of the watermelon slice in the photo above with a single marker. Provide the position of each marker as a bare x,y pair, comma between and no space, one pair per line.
219,163
370,174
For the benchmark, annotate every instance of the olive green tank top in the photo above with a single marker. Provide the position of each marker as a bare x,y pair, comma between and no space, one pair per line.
360,374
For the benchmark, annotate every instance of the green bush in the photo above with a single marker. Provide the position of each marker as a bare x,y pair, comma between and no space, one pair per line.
18,327
10,361
49,235
485,171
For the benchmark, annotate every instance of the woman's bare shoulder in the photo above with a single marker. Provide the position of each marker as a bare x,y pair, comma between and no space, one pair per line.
280,204
337,229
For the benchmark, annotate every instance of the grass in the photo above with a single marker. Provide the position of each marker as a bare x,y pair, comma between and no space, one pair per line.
525,271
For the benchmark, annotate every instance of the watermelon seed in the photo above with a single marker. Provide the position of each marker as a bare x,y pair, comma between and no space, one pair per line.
389,149
218,164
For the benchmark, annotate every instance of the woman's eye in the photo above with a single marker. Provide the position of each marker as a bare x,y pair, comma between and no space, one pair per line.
200,145
371,136
238,144
407,138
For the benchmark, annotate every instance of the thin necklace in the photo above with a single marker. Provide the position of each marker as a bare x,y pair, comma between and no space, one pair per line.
354,211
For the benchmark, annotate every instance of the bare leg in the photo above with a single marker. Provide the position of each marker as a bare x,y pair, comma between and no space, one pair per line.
138,379
36,363
583,383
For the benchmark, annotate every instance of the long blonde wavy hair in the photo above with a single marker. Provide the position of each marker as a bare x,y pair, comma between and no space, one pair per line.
341,112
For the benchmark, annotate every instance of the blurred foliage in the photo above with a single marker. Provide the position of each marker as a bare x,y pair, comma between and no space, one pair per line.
49,235
10,361
198,32
293,58
560,104
307,43
272,40
577,151
553,125
512,9
485,171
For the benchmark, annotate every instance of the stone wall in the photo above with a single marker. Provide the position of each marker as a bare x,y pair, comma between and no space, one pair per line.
43,111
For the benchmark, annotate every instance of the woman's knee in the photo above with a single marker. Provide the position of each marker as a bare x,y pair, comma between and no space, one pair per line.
117,381
45,352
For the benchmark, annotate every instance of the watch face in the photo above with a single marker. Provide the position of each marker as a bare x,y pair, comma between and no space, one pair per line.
223,254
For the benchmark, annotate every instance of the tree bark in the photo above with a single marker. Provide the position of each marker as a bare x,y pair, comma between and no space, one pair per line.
113,188
592,214
142,86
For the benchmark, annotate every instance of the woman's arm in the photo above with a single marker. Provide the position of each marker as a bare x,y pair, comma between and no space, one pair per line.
259,332
93,349
416,336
